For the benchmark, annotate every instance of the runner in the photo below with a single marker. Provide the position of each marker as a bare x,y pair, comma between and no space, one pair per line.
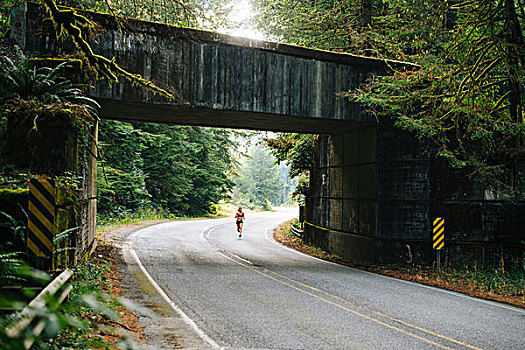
239,216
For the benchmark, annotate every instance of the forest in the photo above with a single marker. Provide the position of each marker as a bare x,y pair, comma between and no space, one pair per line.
465,103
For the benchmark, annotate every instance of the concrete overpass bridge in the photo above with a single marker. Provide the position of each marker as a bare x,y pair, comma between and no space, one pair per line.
374,193
221,81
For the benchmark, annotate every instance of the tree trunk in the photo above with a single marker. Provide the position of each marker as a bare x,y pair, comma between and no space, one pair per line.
515,46
366,15
450,17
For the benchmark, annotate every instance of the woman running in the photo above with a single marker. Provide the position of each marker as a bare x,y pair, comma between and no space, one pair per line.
239,216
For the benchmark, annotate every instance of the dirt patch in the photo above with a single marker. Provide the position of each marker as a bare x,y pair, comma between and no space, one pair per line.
450,279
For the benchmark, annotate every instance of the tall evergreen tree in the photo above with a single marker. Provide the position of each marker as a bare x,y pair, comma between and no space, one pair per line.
466,101
180,170
260,181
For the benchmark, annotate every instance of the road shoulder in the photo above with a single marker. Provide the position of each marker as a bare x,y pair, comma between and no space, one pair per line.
163,327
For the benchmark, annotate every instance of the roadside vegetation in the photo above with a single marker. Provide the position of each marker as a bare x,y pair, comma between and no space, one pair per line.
93,317
103,319
497,284
465,103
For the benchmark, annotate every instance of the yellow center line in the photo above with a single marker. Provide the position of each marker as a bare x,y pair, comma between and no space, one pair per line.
375,312
353,311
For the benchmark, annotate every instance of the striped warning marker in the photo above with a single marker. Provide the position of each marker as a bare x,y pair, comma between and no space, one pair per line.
41,217
439,233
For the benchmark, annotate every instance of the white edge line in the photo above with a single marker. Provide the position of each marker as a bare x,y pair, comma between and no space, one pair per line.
185,317
489,302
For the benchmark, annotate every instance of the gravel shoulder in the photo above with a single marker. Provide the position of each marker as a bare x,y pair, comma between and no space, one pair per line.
156,323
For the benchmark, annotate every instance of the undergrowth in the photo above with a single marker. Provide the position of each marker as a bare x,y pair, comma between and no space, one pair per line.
90,278
92,303
496,281
107,222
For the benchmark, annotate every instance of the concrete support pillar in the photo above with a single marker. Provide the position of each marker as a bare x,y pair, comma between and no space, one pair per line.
342,206
52,144
92,190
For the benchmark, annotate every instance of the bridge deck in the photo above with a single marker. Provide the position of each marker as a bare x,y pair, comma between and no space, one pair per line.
221,80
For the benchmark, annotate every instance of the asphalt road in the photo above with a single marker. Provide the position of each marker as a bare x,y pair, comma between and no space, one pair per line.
252,293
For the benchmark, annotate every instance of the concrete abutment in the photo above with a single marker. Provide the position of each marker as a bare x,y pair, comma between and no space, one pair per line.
374,194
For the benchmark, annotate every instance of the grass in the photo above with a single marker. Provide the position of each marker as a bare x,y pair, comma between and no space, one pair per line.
106,223
495,281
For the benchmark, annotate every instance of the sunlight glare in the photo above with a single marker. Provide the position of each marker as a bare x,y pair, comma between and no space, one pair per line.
241,18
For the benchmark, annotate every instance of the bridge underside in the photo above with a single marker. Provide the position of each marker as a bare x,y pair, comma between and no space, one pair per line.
185,115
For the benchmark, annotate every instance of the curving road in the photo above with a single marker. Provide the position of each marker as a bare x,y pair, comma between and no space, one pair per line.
252,293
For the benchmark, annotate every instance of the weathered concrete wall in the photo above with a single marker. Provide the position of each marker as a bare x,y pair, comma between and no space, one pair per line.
343,194
482,227
375,193
221,80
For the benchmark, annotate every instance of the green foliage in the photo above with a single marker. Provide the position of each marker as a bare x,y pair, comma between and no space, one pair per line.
392,29
5,12
189,171
494,281
70,24
91,308
189,13
179,170
16,241
19,276
76,322
121,185
48,85
260,183
107,222
297,150
467,105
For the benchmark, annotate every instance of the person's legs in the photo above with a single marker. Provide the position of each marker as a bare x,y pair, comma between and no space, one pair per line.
240,229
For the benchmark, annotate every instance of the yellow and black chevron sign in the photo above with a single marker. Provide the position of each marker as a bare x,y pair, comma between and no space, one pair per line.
439,233
41,217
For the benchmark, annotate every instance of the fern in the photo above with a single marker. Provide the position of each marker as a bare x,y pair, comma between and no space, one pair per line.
18,228
46,85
